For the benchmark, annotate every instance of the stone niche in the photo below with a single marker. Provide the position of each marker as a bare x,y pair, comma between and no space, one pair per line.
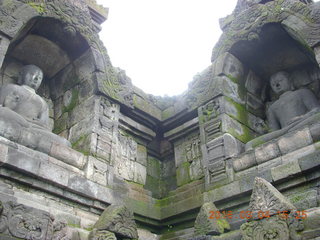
64,58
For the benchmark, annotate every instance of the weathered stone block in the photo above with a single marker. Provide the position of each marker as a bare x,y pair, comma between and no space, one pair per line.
208,222
68,155
54,173
3,153
142,155
236,129
254,84
183,176
228,65
244,161
285,171
24,162
4,44
140,173
97,171
295,140
309,161
266,152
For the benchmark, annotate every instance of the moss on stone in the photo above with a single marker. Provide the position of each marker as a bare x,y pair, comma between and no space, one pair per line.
80,145
39,7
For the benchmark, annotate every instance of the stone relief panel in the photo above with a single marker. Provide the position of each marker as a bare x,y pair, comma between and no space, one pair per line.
188,158
126,164
23,222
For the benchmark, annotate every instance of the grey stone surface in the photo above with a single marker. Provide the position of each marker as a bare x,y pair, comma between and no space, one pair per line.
4,44
118,219
285,171
267,152
293,109
310,161
228,65
208,221
244,161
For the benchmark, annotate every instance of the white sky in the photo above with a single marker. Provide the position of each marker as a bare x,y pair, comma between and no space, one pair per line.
162,44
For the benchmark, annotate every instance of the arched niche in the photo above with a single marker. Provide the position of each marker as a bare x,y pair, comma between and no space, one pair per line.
66,59
277,47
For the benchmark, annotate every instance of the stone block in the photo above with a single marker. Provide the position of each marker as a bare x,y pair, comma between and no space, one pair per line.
232,146
183,176
227,87
97,171
244,161
254,84
299,153
295,140
236,129
226,191
140,173
253,102
154,167
24,162
4,44
315,132
83,186
68,155
284,171
54,173
266,152
3,153
309,161
142,155
228,65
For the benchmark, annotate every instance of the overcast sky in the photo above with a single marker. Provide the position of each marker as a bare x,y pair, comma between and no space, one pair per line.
162,44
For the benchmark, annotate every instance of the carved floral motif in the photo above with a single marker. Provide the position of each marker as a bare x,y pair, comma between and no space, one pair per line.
28,223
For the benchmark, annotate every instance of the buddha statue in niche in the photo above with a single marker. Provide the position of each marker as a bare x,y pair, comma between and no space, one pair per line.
291,111
24,115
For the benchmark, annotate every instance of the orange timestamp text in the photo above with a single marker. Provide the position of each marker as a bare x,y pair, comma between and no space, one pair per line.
250,214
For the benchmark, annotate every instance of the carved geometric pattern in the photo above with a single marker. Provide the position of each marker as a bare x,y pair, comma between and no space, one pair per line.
119,220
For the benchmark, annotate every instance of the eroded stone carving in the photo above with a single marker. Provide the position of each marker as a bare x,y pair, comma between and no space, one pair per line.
280,219
24,115
102,235
265,197
119,220
207,225
293,109
28,223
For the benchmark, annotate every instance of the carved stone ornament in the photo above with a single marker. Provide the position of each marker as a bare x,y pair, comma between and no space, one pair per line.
265,197
24,222
280,220
277,227
119,220
206,225
101,235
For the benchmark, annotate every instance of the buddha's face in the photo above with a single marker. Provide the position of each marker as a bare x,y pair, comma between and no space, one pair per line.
32,77
280,82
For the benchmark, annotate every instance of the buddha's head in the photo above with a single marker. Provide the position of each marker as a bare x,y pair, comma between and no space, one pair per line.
31,76
280,82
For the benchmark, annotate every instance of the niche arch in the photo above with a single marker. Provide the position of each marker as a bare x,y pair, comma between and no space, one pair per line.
68,63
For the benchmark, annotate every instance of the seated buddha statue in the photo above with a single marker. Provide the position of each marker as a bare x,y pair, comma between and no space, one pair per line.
291,111
24,115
